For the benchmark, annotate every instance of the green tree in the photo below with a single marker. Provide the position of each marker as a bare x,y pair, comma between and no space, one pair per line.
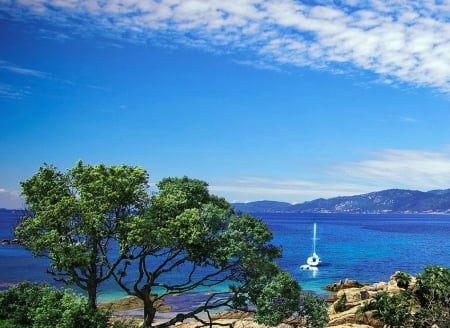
188,230
75,218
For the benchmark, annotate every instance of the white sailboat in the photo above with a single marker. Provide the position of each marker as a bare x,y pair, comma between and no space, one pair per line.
312,261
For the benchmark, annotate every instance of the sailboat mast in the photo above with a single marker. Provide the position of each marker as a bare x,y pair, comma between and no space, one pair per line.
314,239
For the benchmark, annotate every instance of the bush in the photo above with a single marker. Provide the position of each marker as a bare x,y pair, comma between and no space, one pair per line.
432,291
393,310
313,311
341,304
41,306
17,301
430,299
403,280
271,308
433,286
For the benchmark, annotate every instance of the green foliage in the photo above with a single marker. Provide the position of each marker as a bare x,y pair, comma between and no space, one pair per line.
366,306
40,306
433,286
403,279
186,228
124,323
432,291
313,311
341,304
393,310
427,304
278,300
8,323
16,302
77,215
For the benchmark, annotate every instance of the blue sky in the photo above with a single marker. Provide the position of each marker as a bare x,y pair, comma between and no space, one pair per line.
283,100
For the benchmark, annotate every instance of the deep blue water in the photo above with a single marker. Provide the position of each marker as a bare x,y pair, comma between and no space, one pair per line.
367,248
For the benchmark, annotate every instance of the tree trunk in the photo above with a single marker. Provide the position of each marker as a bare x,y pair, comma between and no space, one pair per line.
149,311
92,294
92,278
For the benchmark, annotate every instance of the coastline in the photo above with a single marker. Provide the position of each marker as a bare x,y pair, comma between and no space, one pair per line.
354,292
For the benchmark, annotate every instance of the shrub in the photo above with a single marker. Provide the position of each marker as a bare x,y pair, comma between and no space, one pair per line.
16,302
341,304
41,306
72,311
271,308
433,286
432,291
313,311
430,299
393,310
403,280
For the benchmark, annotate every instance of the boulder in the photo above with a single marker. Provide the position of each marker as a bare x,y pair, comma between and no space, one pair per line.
349,296
347,283
377,287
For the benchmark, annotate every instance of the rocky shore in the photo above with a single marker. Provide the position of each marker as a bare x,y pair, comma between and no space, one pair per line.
350,295
344,301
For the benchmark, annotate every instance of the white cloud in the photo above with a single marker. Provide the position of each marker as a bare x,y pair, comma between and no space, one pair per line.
290,190
396,168
10,199
402,41
390,168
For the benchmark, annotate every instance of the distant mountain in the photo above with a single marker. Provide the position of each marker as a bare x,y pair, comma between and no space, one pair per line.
261,206
386,201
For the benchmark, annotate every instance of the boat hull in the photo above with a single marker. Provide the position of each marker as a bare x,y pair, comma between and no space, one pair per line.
313,260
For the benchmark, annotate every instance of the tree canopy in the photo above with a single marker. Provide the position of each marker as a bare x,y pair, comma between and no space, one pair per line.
99,222
187,229
74,218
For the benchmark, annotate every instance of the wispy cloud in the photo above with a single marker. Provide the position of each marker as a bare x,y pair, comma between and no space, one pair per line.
14,92
11,92
390,168
400,41
414,169
6,66
17,92
291,190
407,119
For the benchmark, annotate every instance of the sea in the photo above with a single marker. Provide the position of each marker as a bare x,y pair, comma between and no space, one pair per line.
368,248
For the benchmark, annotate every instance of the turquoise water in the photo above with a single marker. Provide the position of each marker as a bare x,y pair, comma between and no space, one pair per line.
367,248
